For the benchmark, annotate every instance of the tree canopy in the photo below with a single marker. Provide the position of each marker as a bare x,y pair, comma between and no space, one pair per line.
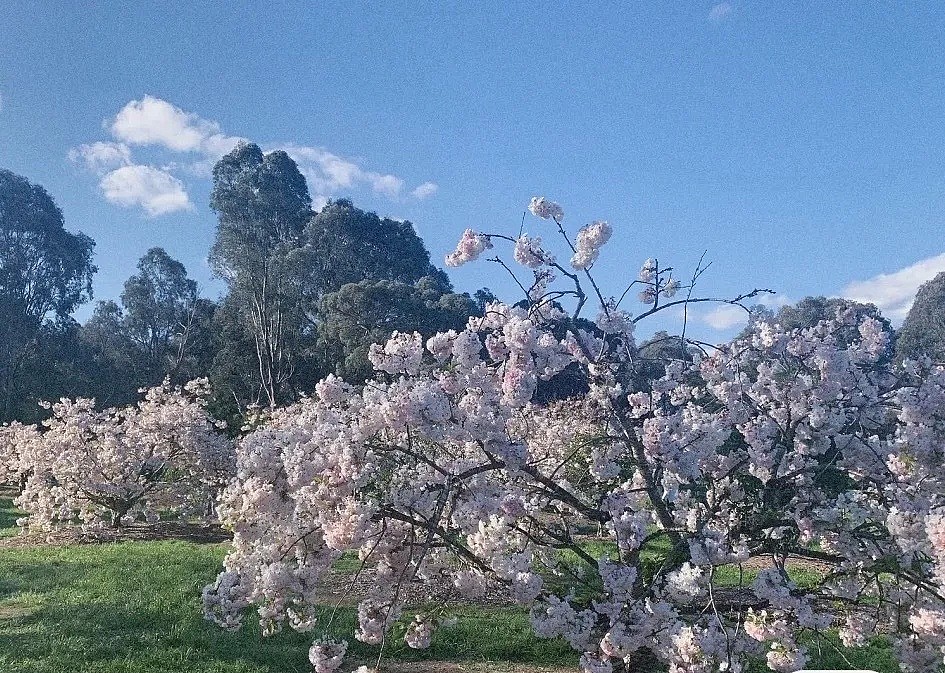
923,332
160,307
263,204
44,269
353,245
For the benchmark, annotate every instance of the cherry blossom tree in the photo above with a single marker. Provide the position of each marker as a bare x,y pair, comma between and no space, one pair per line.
116,465
442,472
16,443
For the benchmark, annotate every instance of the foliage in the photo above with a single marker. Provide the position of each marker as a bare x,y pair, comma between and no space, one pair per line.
266,341
44,270
786,443
60,364
162,314
290,273
923,332
161,330
119,464
353,245
359,315
263,204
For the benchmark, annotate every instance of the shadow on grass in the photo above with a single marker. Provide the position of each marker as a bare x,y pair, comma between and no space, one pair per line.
8,515
114,637
135,607
120,638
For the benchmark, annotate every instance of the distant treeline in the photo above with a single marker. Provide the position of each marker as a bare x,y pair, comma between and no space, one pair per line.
306,295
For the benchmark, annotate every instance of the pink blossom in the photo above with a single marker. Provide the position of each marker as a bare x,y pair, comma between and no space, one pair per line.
470,246
590,239
528,252
545,209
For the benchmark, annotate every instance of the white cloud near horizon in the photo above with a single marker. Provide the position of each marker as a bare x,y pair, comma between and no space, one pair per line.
893,293
100,157
154,190
425,191
154,122
720,11
726,316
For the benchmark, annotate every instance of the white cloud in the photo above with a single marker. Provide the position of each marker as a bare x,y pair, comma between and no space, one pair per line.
101,157
894,292
218,144
725,316
720,11
775,301
327,173
155,122
389,185
426,190
157,191
152,121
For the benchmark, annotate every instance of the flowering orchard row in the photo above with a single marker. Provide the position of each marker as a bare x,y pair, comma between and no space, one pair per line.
443,472
115,466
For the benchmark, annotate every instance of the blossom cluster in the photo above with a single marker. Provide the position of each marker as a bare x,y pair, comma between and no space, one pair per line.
97,466
17,440
545,209
445,472
470,246
590,239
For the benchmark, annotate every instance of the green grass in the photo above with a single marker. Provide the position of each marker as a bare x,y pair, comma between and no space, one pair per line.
733,576
134,607
8,516
876,656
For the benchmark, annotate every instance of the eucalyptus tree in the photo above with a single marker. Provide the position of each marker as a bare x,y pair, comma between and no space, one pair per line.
162,313
923,332
263,204
353,245
44,270
361,314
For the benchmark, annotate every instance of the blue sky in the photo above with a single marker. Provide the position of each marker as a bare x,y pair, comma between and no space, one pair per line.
800,144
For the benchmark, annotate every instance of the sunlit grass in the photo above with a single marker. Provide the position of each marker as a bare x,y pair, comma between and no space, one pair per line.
134,607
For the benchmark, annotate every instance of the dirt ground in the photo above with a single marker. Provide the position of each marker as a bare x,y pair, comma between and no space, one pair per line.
467,667
163,530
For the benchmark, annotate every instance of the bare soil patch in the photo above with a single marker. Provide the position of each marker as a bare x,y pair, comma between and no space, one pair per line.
17,611
347,588
162,530
467,667
792,563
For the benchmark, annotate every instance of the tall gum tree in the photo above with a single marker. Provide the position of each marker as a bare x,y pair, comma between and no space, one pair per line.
161,309
263,204
44,270
923,332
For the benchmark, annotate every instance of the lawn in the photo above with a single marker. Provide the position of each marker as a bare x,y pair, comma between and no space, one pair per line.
133,607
